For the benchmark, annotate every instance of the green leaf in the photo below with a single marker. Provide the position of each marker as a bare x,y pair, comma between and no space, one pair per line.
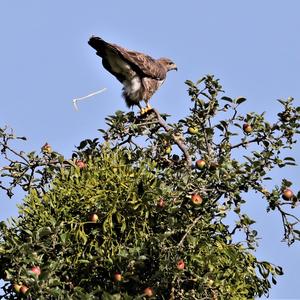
283,102
43,232
225,98
64,237
220,127
82,144
240,100
189,83
289,158
278,270
224,123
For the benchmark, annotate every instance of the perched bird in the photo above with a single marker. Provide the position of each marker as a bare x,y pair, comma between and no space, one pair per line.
140,74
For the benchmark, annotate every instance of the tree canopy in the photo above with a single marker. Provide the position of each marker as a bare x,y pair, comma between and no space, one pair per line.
146,211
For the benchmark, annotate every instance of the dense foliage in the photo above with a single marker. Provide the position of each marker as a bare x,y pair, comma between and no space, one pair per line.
144,213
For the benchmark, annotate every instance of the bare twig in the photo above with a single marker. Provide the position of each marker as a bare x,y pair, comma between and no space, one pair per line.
6,147
189,230
288,227
177,140
128,140
246,143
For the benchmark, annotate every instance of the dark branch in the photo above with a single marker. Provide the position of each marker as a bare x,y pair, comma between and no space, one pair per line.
246,143
177,139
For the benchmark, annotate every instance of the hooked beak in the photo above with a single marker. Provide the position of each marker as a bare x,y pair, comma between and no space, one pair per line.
174,67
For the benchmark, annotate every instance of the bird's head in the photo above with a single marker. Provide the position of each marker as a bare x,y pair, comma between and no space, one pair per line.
168,63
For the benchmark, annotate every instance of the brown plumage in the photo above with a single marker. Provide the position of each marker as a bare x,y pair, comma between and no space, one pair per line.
140,74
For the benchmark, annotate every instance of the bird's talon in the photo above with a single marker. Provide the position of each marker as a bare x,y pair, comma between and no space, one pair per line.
146,109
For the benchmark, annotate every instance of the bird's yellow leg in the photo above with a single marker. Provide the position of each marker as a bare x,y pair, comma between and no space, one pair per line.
147,108
142,110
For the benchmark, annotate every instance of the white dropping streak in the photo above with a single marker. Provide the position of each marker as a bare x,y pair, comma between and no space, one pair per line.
85,97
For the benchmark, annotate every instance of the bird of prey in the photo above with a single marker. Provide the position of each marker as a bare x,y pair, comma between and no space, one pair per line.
140,74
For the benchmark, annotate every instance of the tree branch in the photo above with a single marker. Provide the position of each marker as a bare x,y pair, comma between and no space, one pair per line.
177,140
246,143
189,230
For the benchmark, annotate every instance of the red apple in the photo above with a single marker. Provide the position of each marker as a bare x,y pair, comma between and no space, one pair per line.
247,128
118,277
148,292
200,163
196,199
180,264
93,218
287,194
161,203
36,270
24,289
80,164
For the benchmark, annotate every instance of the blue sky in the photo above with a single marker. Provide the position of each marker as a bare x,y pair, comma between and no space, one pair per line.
252,46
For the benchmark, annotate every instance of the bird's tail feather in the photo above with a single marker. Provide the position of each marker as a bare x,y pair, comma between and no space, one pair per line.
128,101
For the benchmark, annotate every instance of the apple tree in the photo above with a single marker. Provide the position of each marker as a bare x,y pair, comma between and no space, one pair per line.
150,210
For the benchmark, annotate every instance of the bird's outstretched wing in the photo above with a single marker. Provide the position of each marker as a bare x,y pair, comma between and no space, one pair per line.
139,63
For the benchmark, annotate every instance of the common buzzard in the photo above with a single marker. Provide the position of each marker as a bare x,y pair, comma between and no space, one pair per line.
140,74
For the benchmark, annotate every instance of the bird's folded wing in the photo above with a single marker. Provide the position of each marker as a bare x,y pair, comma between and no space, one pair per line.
143,63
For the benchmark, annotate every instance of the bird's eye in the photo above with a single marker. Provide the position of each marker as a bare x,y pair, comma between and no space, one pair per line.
170,63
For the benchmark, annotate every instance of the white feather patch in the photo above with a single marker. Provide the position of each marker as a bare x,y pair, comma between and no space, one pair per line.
135,84
132,86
